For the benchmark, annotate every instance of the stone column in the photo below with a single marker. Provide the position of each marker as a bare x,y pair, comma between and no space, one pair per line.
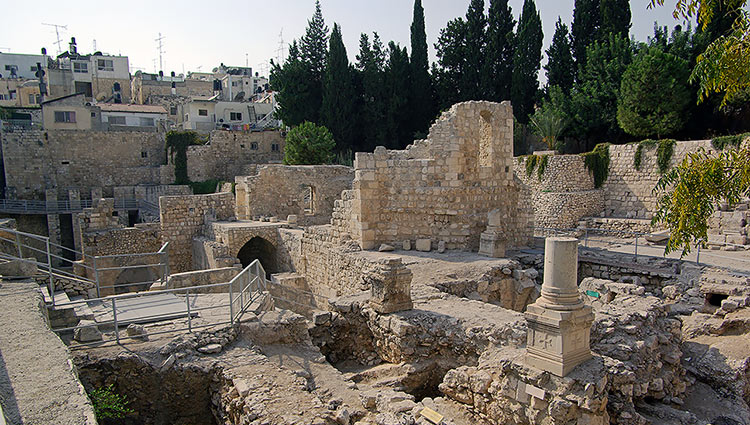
559,323
390,286
491,241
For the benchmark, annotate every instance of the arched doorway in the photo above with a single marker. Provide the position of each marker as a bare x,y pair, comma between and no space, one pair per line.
260,249
134,280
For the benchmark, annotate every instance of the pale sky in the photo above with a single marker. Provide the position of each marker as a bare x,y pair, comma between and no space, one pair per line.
199,35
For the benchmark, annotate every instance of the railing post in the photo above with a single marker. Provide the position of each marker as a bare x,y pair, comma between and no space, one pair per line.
114,316
231,302
636,248
51,278
698,255
187,304
586,238
96,277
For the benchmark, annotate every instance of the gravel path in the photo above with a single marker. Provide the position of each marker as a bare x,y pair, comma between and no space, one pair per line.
37,382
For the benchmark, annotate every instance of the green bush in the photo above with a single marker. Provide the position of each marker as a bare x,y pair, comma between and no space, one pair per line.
720,143
309,144
638,157
108,404
176,144
597,162
664,154
205,187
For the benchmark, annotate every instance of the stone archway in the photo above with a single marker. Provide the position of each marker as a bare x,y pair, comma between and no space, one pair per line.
135,280
260,249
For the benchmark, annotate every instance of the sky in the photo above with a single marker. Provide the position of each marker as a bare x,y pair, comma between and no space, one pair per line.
199,35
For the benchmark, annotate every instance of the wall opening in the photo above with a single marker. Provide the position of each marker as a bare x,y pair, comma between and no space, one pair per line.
260,249
132,218
67,240
134,280
308,200
485,139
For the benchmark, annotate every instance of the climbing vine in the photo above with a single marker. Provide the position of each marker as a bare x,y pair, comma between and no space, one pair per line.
176,144
720,143
637,158
664,154
533,162
597,162
542,166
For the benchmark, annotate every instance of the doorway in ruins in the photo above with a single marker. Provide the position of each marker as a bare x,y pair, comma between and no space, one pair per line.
260,249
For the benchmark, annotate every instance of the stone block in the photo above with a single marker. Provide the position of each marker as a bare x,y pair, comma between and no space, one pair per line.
18,268
390,286
491,244
407,245
87,331
386,248
424,245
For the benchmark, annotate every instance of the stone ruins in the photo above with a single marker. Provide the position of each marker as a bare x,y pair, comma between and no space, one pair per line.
446,283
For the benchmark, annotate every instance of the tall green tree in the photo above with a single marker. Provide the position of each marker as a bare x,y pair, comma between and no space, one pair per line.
308,144
560,65
371,63
398,117
296,91
615,17
526,62
451,48
421,93
585,28
338,111
474,48
654,95
313,50
594,97
498,65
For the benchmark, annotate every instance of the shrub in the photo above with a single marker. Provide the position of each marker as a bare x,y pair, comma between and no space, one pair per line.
597,162
309,144
108,404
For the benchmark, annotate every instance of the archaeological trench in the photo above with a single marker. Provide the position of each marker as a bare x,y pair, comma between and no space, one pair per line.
421,286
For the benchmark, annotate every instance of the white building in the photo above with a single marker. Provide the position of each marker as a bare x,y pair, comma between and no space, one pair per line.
123,115
16,65
206,114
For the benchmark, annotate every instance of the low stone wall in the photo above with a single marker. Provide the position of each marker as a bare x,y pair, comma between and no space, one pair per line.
619,226
204,277
183,217
307,191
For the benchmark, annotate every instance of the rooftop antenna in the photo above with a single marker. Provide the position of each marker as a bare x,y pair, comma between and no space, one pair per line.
156,71
160,47
246,61
280,50
94,45
57,32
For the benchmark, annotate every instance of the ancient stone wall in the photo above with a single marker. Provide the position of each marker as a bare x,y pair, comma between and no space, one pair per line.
307,191
204,277
443,187
182,218
563,194
233,153
37,160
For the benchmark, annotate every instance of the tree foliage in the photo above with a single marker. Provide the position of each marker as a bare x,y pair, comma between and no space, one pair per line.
176,144
654,95
560,66
548,124
474,49
585,27
339,108
498,64
309,144
615,17
421,91
371,63
526,62
397,81
108,404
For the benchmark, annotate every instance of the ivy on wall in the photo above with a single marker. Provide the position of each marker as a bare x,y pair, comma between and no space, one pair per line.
533,162
597,162
720,143
664,151
176,144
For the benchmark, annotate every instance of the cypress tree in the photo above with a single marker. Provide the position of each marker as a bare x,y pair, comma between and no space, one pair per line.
295,89
526,62
585,28
560,66
371,67
398,117
313,50
452,62
420,99
615,17
339,96
476,40
498,66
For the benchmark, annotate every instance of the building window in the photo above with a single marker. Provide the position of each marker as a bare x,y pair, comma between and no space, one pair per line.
65,116
173,110
254,146
33,68
275,147
144,154
235,116
203,112
80,67
147,122
116,120
93,115
12,94
105,65
32,99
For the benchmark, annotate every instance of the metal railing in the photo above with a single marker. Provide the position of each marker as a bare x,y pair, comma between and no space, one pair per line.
39,250
639,239
242,291
24,206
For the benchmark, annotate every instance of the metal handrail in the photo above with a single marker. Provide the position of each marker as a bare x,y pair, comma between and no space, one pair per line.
69,206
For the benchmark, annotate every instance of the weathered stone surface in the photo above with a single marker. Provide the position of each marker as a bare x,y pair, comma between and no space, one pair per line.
424,245
18,268
210,349
390,286
386,248
87,331
137,331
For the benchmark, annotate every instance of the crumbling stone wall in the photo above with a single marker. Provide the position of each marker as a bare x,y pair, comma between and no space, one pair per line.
564,194
182,218
440,188
307,191
103,234
37,160
228,154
